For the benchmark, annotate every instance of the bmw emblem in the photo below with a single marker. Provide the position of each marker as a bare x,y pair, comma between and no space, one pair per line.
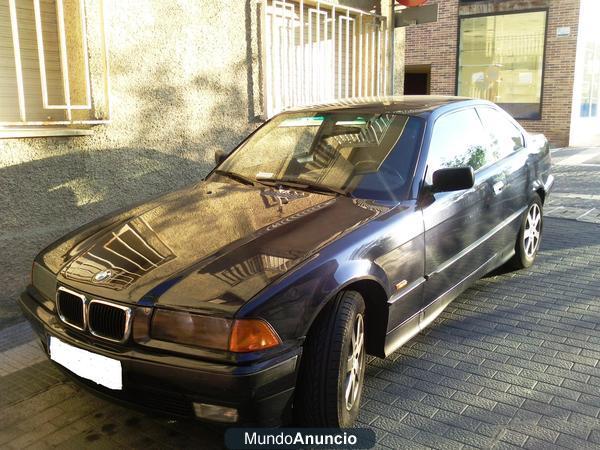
103,275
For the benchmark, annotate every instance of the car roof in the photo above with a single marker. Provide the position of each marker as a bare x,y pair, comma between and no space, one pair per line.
407,104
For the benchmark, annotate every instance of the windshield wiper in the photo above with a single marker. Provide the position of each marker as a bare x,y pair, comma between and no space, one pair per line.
235,176
301,184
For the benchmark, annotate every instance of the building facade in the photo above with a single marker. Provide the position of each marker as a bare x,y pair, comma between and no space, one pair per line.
521,54
107,103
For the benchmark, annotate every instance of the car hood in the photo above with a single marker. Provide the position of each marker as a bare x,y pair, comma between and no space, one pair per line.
209,247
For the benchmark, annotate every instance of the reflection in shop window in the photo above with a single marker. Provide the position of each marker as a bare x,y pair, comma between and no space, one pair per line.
590,90
501,59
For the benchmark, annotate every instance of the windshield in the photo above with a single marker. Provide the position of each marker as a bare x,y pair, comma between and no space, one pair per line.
363,154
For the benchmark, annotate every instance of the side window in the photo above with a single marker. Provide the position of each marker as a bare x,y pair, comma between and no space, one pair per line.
505,137
458,140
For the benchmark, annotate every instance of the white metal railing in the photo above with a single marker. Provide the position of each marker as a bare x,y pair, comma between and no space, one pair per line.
68,106
316,51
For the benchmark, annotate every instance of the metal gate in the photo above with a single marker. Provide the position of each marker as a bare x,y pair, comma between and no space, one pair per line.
316,52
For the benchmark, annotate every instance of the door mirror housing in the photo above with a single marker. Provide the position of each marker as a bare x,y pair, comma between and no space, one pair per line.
453,179
220,156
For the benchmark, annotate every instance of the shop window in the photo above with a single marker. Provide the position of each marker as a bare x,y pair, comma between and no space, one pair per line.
501,59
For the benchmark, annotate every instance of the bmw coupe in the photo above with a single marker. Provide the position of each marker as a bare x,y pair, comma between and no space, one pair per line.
331,232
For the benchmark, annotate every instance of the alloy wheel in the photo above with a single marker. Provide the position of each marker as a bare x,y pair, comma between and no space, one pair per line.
533,229
354,365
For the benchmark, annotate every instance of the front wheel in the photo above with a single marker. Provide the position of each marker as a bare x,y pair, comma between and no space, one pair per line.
530,235
332,371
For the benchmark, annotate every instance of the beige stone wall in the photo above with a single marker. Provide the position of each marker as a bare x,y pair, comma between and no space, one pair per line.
185,82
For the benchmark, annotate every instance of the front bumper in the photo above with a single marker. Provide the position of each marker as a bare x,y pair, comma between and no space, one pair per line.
169,384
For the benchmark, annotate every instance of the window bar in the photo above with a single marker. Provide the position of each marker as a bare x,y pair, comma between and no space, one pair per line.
340,57
292,54
106,62
302,74
297,53
367,61
322,55
360,56
86,68
316,58
385,58
284,61
266,58
278,39
310,67
373,57
333,51
17,50
285,31
276,44
379,60
347,62
354,37
40,46
63,56
273,62
289,30
319,48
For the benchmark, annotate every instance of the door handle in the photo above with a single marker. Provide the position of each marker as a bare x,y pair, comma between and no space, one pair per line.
498,187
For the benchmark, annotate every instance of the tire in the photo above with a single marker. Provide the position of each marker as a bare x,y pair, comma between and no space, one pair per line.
528,244
320,399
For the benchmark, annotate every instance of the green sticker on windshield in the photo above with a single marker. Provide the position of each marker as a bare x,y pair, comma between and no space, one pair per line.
313,121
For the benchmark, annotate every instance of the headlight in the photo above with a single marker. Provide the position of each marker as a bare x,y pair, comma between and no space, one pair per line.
191,329
242,335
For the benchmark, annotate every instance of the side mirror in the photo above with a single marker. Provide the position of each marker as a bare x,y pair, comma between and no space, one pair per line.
453,179
220,156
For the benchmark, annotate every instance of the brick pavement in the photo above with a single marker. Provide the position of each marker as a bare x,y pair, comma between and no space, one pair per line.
512,363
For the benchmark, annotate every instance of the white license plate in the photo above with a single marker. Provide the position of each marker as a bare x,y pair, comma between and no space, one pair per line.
88,365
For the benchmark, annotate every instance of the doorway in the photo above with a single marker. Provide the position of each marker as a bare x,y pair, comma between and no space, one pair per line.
417,80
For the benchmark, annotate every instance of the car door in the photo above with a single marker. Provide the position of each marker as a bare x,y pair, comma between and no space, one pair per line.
456,223
507,146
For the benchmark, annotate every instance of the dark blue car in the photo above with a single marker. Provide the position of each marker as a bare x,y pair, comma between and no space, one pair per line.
329,233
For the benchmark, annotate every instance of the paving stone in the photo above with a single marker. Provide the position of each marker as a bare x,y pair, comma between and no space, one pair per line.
576,429
568,441
514,437
580,407
395,427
